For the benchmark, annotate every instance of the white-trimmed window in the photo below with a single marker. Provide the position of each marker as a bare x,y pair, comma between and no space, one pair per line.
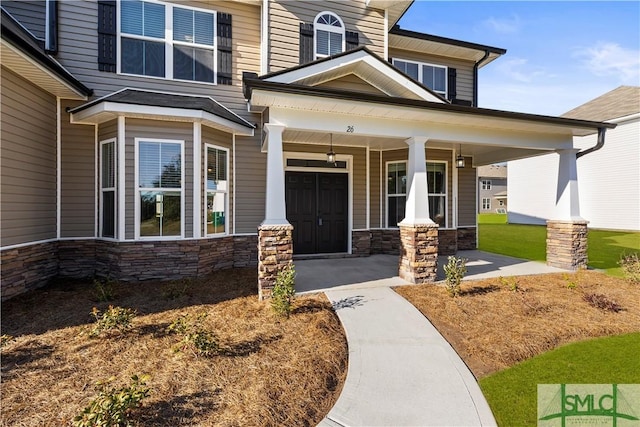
486,203
397,192
167,41
160,188
217,188
486,184
108,188
328,34
432,76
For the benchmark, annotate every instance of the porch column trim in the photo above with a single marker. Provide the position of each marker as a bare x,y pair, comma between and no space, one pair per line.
567,198
417,205
275,207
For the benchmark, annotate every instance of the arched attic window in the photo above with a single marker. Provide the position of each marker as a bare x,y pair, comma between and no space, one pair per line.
328,34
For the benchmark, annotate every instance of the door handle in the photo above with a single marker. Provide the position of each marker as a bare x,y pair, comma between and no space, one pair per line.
319,222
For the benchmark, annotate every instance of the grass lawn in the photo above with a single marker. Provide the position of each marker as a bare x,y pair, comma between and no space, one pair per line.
529,242
512,393
498,324
264,369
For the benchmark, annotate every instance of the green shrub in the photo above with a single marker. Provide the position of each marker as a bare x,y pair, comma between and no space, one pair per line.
176,289
284,291
630,264
510,283
104,289
572,281
112,406
5,339
194,335
114,318
454,271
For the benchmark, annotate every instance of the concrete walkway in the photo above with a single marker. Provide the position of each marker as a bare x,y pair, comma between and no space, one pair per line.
402,372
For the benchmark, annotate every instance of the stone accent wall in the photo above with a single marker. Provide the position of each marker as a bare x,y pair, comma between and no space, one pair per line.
467,239
27,267
419,253
275,252
77,258
567,244
447,242
245,251
385,241
361,243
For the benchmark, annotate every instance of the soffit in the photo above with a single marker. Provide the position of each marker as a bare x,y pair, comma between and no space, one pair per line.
439,49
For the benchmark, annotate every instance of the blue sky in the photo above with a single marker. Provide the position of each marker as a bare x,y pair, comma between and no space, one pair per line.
559,54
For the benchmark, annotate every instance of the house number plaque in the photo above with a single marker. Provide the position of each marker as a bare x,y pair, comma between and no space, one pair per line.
350,129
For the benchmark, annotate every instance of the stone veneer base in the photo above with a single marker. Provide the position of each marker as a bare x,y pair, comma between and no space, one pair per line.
275,253
33,266
419,253
567,244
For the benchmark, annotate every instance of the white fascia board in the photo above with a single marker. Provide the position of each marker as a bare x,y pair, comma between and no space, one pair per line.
321,121
351,59
158,113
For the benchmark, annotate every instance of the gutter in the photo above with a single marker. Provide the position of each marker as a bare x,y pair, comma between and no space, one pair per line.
475,76
599,144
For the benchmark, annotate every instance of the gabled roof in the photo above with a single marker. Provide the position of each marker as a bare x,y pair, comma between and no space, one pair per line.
620,102
25,55
362,63
149,104
492,171
442,46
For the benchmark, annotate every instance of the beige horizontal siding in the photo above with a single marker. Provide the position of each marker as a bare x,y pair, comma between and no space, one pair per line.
251,175
351,83
78,21
464,69
27,162
432,155
358,171
284,27
78,198
108,130
153,129
467,195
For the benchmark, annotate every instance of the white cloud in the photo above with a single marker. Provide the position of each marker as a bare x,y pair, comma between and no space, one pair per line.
519,70
610,59
503,25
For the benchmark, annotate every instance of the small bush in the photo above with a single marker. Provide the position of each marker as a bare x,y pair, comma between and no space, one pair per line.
194,335
454,271
284,291
510,283
104,289
602,302
114,318
176,289
630,264
5,339
112,406
572,281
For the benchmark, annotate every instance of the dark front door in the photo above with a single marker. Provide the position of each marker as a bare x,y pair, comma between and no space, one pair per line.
317,207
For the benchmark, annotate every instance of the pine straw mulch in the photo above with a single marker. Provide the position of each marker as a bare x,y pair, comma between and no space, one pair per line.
272,371
493,327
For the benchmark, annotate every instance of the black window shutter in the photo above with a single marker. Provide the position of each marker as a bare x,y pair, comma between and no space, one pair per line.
351,39
306,43
390,60
107,51
451,83
225,63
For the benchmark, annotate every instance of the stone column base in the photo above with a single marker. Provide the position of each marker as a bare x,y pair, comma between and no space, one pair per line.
567,244
275,252
418,252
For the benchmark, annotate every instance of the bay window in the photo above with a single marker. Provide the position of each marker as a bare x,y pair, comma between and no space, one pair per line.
159,181
108,188
397,192
217,189
168,41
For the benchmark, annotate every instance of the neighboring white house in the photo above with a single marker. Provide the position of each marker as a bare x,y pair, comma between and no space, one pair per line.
608,179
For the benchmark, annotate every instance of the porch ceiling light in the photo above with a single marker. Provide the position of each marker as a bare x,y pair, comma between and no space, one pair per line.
460,159
331,155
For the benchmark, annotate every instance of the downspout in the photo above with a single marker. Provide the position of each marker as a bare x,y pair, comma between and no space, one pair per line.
599,144
475,77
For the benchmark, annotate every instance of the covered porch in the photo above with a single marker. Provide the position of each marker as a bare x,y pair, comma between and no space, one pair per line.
399,123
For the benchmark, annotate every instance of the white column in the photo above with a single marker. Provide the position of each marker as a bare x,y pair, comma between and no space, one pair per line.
276,211
567,199
417,206
197,180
